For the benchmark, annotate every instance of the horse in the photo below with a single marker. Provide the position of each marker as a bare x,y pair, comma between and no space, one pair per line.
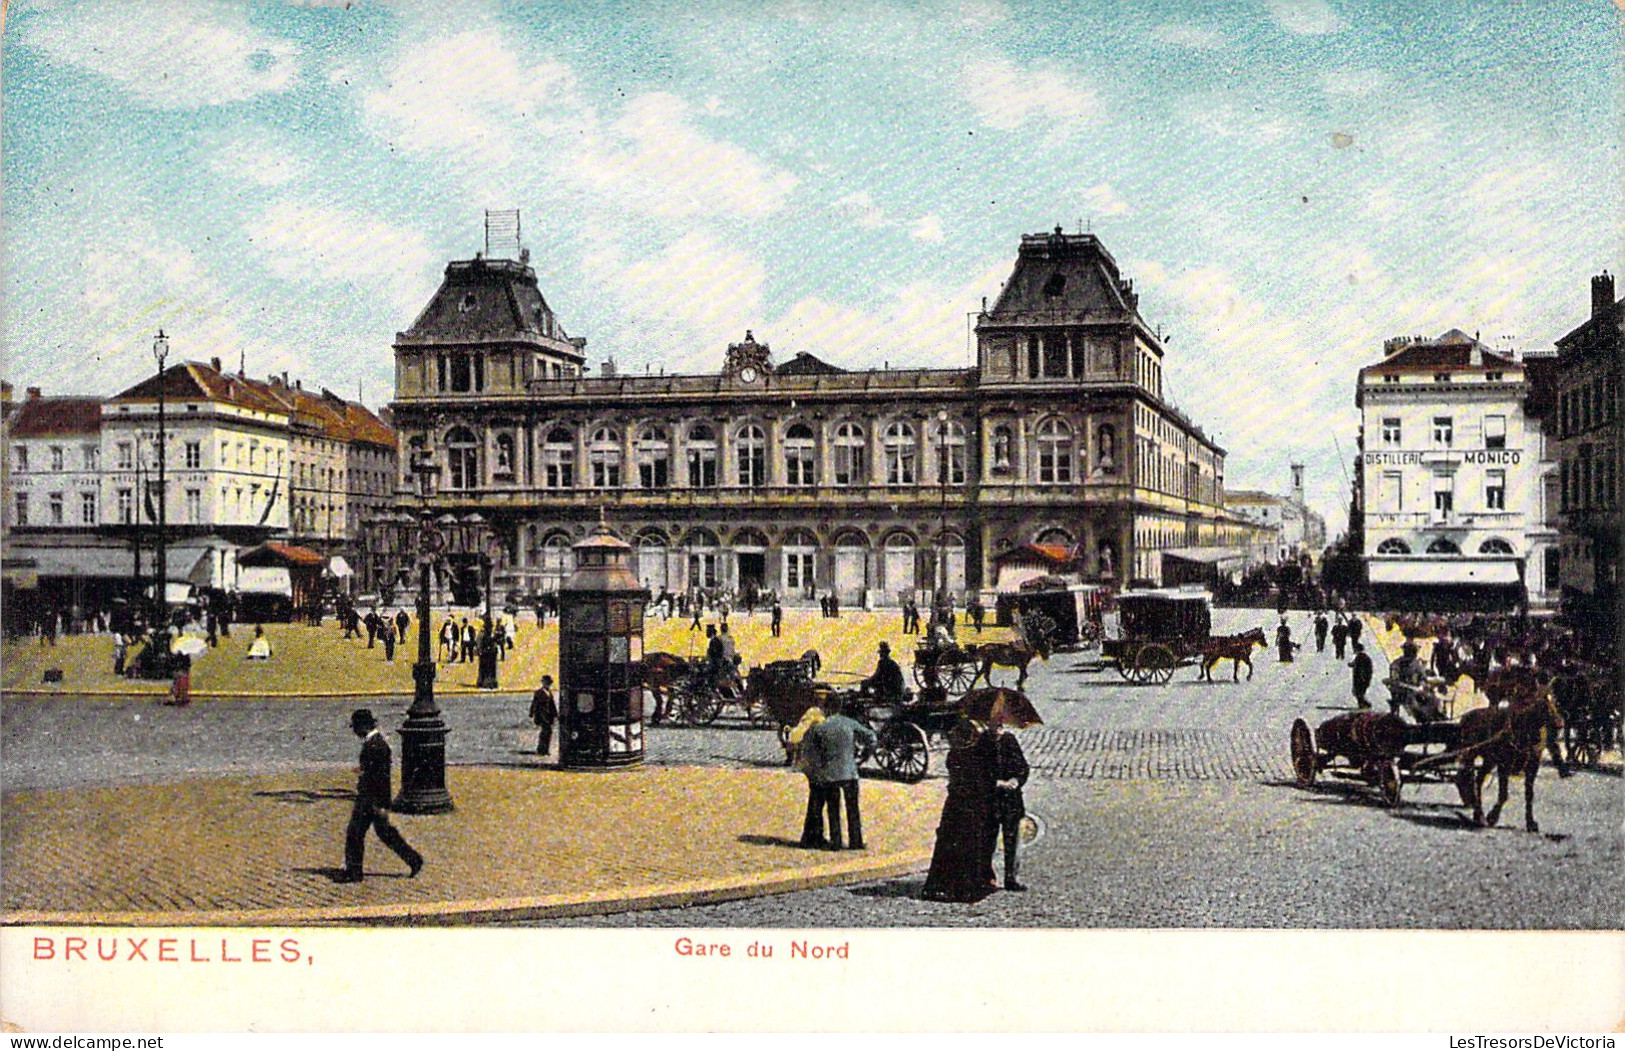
1508,740
1237,649
1015,654
662,671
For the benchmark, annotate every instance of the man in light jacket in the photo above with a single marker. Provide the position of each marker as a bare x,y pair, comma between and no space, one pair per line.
831,750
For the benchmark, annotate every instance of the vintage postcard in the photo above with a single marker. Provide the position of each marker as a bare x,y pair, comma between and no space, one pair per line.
810,499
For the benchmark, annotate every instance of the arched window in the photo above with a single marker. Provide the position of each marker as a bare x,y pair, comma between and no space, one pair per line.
1106,448
558,561
1444,546
900,454
604,458
654,458
702,457
799,548
1054,452
650,560
950,453
1393,546
751,452
702,558
462,459
851,461
559,459
1495,546
1055,536
798,455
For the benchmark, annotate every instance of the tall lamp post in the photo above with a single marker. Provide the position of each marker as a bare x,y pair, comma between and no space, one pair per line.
942,490
423,735
160,354
489,545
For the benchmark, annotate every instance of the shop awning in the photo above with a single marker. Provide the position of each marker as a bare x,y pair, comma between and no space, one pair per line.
285,555
1211,556
264,580
337,567
1458,572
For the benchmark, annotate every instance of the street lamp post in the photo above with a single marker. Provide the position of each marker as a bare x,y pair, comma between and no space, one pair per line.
423,735
942,488
160,354
487,543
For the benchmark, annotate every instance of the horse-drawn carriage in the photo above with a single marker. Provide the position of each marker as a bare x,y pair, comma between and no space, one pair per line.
1388,752
951,667
1160,630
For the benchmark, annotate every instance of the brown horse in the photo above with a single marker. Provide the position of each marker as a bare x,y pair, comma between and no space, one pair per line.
1014,654
1508,740
662,671
1237,649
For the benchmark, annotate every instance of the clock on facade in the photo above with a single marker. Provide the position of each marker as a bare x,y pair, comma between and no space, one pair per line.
747,374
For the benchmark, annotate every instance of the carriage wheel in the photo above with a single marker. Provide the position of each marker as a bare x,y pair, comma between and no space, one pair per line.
696,706
757,713
1125,670
903,751
1587,751
1159,663
922,677
1388,781
961,673
1305,764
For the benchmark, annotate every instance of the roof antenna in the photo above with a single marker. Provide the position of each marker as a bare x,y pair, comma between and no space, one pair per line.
242,363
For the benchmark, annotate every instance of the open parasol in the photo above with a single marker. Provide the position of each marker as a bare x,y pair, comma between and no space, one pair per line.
1000,704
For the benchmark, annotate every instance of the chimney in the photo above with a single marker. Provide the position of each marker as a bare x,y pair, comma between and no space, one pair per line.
607,370
1602,293
299,384
214,363
33,394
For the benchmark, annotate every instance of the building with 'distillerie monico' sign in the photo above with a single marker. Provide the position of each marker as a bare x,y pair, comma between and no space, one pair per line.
805,478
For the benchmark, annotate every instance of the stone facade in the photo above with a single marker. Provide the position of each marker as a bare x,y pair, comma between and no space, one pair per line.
802,477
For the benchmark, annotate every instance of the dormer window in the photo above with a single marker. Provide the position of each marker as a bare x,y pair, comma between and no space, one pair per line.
1441,377
1390,377
470,300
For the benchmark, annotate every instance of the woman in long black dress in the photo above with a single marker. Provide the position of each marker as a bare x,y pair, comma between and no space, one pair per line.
960,869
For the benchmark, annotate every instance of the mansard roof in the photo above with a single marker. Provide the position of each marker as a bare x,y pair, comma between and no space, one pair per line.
1455,349
486,300
1064,274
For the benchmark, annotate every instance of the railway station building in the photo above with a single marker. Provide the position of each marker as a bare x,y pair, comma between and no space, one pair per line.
793,474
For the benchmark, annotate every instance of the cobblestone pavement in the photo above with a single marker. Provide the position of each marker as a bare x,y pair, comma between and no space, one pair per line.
1160,804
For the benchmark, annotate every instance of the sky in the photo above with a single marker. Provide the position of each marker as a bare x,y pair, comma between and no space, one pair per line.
1287,182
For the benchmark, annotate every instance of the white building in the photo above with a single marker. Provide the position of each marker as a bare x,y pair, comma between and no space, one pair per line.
1452,495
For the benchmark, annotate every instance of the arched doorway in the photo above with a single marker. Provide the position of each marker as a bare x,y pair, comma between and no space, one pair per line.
750,560
796,578
703,568
649,561
851,566
897,572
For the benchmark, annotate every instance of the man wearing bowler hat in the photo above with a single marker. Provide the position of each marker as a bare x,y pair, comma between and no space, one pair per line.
372,792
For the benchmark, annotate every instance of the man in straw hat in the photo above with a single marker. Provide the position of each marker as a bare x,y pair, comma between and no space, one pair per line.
372,792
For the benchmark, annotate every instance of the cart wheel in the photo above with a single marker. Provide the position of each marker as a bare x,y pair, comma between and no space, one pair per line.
694,707
921,678
903,751
1158,661
1305,763
1587,751
1388,781
1125,670
961,673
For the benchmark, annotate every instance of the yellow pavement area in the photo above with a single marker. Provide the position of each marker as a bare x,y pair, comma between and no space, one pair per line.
522,842
311,662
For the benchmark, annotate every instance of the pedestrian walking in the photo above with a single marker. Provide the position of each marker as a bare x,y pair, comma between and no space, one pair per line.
1340,636
1362,675
1354,627
544,712
1283,642
974,608
448,641
372,622
372,795
469,638
388,637
1321,625
777,626
121,652
695,626
1008,807
831,749
403,624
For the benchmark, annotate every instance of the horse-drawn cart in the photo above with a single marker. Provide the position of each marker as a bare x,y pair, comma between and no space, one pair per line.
1160,630
951,667
1380,749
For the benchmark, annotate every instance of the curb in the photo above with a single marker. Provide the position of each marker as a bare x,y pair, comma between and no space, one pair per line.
498,910
251,695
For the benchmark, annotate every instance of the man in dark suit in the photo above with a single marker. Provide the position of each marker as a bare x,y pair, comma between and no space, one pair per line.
544,712
372,793
1008,807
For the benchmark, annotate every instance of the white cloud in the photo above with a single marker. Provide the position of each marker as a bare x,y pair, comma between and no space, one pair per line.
982,13
1180,34
1007,96
169,56
1103,200
1214,114
928,229
863,210
654,160
696,293
257,162
1305,17
1354,83
314,245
